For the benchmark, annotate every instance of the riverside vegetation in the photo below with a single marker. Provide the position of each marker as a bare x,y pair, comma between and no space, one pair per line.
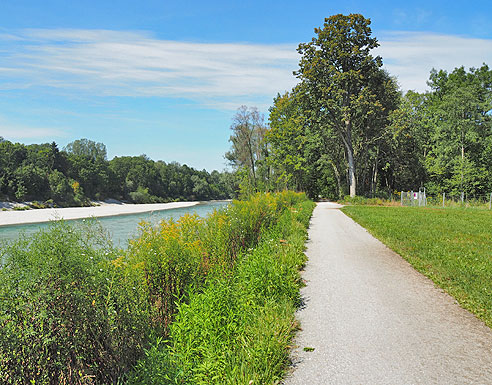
190,301
81,172
451,246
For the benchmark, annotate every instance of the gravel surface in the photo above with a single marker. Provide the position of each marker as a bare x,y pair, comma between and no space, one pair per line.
104,210
372,319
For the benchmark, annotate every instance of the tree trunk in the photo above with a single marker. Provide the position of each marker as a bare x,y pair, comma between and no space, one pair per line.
351,169
337,176
462,165
252,160
374,178
347,141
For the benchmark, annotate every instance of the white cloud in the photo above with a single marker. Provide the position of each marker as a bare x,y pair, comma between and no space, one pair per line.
135,64
219,75
22,133
410,56
15,132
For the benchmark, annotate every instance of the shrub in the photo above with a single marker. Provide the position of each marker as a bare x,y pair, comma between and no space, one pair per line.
76,311
358,200
166,260
238,327
142,195
65,314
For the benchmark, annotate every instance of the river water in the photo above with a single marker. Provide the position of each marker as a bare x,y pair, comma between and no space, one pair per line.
120,227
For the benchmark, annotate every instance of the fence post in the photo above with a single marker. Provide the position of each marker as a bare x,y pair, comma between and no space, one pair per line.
402,198
490,201
443,198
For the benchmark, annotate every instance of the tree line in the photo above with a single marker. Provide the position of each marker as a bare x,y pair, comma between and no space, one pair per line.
81,172
347,128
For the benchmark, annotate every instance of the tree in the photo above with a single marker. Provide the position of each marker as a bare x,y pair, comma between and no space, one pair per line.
60,188
460,107
345,85
406,144
286,137
87,148
32,182
248,144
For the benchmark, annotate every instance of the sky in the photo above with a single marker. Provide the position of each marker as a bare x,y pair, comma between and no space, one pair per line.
164,78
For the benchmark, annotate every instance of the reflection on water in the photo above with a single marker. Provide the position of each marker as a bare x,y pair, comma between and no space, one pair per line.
120,227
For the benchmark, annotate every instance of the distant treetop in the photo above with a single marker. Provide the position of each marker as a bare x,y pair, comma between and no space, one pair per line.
88,148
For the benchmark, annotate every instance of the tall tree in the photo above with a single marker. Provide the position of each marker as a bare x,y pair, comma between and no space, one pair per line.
88,148
248,143
287,139
406,144
345,83
460,106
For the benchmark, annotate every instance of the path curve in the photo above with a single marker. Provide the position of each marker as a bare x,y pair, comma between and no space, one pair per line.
372,319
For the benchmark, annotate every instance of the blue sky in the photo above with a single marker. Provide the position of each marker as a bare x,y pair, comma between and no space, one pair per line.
164,78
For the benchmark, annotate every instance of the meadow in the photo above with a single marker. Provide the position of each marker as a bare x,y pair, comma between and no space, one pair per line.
451,246
190,301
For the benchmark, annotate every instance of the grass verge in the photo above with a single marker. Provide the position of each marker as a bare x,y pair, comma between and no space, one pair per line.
453,247
237,330
197,300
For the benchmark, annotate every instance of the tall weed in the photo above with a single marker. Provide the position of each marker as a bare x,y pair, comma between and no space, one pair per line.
66,316
237,329
193,300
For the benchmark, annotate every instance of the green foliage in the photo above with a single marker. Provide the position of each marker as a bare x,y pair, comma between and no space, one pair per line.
60,188
141,195
459,159
87,148
249,150
82,172
302,156
237,328
450,246
166,261
66,314
286,137
345,127
74,310
363,201
347,96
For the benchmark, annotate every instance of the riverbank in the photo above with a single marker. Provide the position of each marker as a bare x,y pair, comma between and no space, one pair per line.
189,300
104,209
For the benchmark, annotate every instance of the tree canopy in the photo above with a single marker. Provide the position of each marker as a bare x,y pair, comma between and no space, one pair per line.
346,128
348,95
82,172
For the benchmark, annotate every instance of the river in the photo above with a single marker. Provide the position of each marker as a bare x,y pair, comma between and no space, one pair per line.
120,227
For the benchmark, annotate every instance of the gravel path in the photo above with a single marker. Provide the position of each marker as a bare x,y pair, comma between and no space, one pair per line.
372,319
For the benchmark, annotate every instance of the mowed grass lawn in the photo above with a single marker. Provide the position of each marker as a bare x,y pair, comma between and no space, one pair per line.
453,247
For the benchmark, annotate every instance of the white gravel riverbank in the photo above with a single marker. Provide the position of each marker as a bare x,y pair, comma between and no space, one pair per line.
104,209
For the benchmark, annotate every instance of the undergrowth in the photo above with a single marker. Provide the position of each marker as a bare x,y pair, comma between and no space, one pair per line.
191,301
237,329
363,201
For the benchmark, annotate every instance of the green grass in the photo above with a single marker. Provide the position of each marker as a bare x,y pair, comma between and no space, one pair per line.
453,247
197,300
238,328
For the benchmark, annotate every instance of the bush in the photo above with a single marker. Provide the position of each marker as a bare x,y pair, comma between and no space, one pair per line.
358,200
66,315
238,327
141,195
76,311
166,260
